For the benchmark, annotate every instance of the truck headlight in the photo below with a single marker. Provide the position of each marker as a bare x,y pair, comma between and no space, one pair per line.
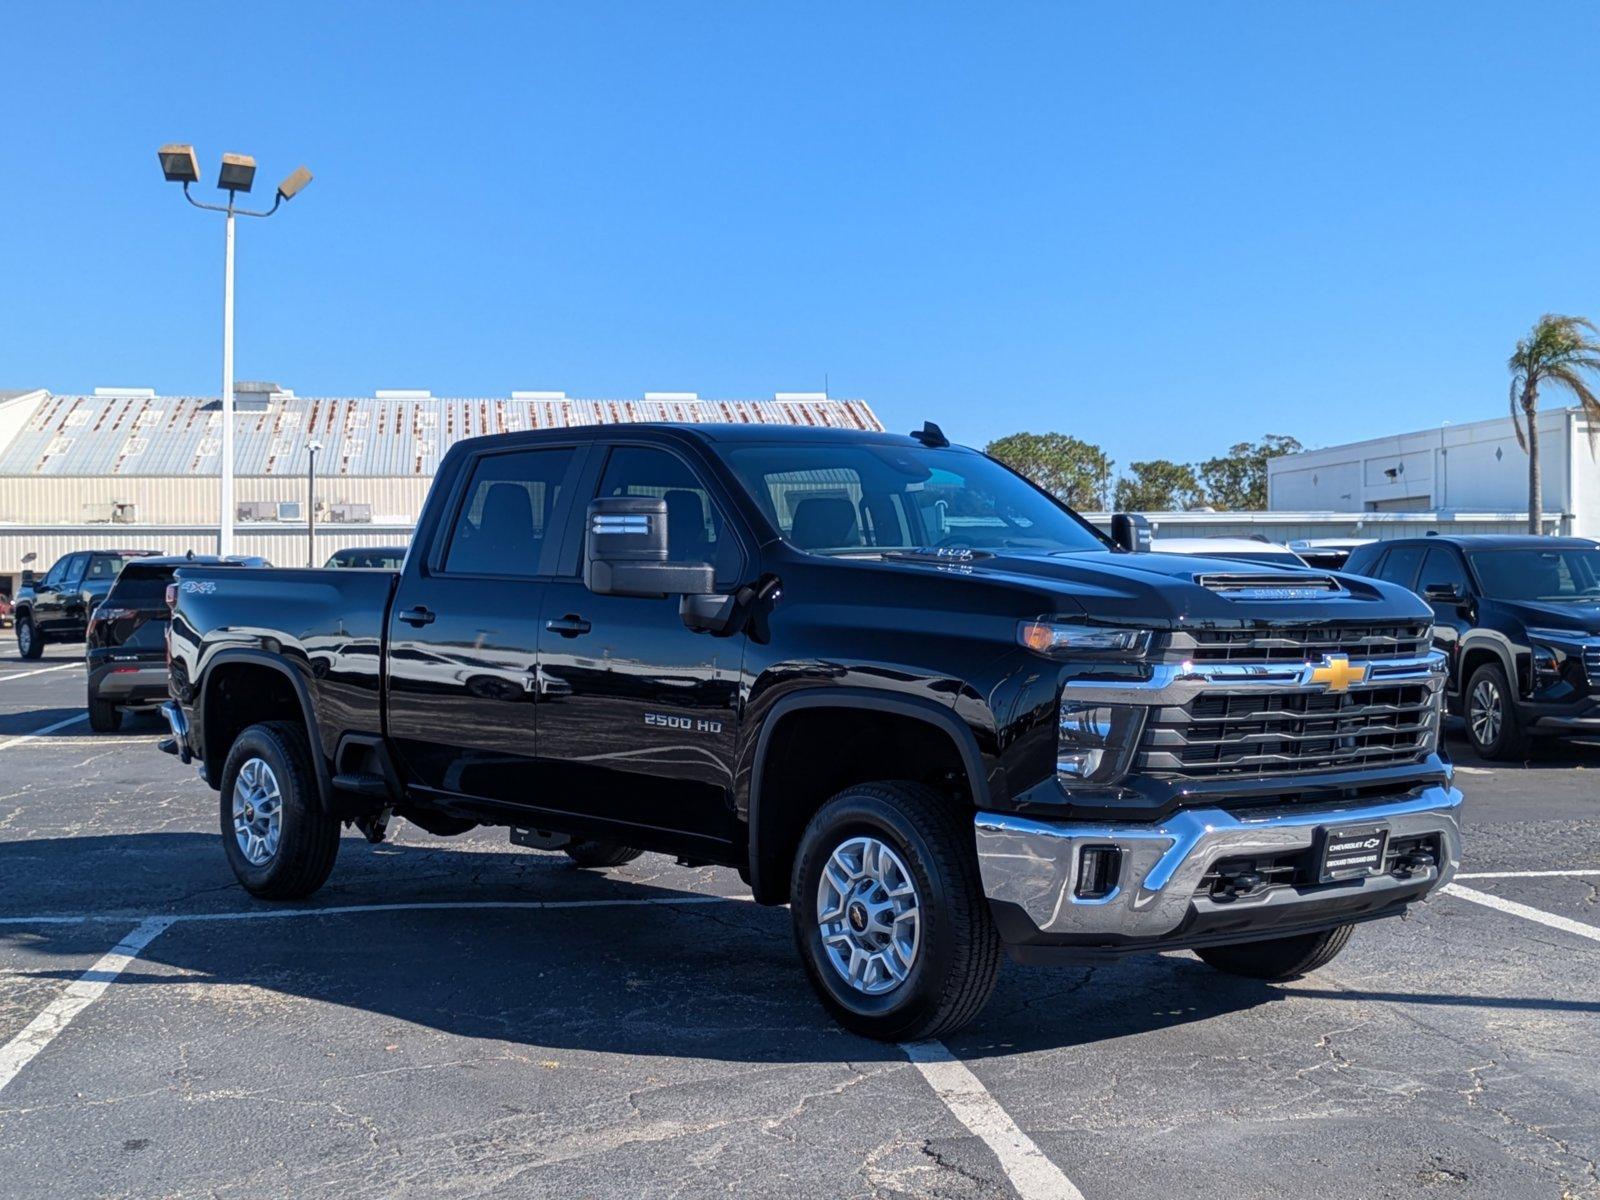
1063,639
1095,742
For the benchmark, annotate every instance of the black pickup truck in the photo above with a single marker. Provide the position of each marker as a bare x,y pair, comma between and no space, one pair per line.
892,683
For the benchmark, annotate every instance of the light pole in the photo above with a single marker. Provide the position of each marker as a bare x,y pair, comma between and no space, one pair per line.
179,165
311,505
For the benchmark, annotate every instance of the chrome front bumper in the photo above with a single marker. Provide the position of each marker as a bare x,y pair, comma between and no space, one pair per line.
1031,866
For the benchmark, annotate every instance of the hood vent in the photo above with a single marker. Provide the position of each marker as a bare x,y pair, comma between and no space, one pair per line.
1271,587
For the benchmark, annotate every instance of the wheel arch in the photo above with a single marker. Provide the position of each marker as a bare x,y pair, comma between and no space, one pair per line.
1475,651
285,695
773,827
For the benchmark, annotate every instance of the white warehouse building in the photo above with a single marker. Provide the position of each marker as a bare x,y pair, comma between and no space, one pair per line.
1469,478
126,468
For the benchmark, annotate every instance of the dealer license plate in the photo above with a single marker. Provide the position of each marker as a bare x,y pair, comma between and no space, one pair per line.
1352,851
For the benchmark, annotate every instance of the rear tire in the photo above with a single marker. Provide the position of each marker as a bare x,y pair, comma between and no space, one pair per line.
1279,958
590,853
279,841
1490,707
104,716
30,646
910,950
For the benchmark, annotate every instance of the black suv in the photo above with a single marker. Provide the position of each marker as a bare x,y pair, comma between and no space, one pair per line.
1519,621
57,607
126,638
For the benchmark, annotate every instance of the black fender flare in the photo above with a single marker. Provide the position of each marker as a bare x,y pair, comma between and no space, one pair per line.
928,711
302,691
1497,644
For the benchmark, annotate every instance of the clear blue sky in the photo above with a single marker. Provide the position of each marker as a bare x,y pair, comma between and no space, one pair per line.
1160,227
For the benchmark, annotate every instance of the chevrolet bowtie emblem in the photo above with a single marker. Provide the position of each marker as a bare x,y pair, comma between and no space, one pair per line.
1338,673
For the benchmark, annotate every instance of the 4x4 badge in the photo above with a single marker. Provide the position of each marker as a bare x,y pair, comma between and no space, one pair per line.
1338,673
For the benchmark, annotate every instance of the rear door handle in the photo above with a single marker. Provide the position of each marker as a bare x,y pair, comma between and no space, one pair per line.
418,616
569,626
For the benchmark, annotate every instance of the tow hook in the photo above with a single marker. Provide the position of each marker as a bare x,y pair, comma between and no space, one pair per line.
1244,883
375,825
1417,860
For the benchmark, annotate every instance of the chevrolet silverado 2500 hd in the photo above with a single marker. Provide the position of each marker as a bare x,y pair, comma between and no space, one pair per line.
892,683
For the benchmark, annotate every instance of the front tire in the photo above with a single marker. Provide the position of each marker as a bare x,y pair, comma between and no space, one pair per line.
889,914
590,853
1279,958
30,646
1493,726
104,716
279,841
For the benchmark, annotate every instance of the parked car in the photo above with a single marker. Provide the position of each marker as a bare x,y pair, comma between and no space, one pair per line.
893,684
5,610
382,558
126,642
1234,549
1330,554
57,607
1518,619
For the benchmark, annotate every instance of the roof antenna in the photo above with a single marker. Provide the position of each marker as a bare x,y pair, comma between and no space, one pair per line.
931,435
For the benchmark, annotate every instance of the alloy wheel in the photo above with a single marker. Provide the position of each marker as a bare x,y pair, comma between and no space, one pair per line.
869,915
257,812
1485,713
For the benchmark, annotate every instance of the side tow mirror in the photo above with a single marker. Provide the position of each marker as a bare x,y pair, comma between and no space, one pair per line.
625,552
1443,593
27,577
1131,532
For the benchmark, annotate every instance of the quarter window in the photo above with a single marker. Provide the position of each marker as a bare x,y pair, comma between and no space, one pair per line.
501,527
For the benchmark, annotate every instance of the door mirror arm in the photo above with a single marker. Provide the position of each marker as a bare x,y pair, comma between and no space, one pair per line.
745,611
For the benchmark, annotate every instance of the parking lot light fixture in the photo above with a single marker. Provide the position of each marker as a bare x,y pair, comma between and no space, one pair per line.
179,165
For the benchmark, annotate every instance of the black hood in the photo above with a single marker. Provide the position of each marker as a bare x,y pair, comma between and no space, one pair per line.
1579,618
1179,589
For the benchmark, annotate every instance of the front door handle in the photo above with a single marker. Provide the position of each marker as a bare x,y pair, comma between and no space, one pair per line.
569,626
418,616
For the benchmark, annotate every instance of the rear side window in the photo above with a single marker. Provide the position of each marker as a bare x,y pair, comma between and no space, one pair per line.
501,527
1400,565
141,587
103,566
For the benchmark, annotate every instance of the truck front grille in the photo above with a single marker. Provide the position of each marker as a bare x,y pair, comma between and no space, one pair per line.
1287,733
1591,664
1303,643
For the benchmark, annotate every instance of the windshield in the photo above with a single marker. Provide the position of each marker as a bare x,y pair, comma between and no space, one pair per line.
1570,574
861,499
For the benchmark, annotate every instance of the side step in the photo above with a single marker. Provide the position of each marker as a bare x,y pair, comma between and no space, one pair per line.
362,784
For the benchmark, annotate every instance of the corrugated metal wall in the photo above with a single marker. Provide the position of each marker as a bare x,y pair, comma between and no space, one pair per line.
174,500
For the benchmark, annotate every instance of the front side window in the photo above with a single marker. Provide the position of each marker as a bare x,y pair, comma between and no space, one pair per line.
1443,568
1570,575
58,572
696,529
72,577
510,501
862,499
1400,565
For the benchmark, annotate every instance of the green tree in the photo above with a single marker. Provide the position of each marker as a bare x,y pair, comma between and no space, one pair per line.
1158,485
1558,351
1071,470
1237,482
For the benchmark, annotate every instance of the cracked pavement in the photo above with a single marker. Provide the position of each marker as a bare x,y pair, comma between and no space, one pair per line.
675,1050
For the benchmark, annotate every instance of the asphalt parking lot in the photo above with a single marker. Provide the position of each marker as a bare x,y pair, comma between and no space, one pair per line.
458,1017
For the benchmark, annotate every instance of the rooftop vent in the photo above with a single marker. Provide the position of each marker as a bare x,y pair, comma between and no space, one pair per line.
800,395
672,395
538,395
254,385
122,391
403,394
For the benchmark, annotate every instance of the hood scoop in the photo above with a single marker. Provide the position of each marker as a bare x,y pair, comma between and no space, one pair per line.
1265,586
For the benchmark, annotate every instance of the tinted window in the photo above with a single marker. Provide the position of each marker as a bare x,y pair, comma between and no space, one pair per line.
510,500
72,577
141,587
833,499
103,567
1571,574
59,571
1443,567
695,527
377,558
1400,565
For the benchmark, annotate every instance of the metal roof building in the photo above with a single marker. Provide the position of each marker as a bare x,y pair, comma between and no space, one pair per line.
128,467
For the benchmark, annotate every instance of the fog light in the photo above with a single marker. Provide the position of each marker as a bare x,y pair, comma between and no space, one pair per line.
1095,742
1099,869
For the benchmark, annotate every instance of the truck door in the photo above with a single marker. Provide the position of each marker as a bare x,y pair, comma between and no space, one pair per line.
637,714
464,631
50,597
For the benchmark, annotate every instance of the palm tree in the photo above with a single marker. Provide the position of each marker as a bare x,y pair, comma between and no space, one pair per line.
1557,352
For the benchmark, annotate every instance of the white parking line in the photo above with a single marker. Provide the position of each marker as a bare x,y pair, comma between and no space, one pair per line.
40,671
80,993
1524,874
39,733
1527,912
1033,1175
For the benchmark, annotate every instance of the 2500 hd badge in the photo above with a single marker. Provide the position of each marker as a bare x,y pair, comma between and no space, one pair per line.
693,724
